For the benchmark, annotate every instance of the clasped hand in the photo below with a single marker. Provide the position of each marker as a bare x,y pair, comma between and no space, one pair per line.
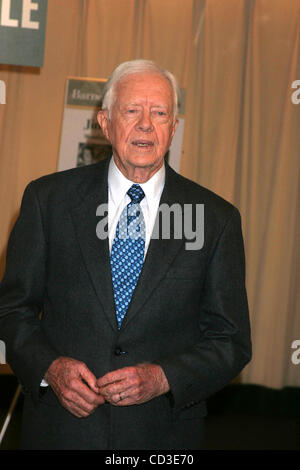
80,392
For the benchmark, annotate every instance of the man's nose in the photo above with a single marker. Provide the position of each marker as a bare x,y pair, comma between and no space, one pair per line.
145,122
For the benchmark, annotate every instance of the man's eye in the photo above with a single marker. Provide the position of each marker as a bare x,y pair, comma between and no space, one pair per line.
160,113
131,111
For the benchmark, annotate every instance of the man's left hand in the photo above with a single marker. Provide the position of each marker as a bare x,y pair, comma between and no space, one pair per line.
133,385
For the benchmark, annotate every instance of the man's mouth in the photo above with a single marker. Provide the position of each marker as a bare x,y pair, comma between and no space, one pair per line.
142,143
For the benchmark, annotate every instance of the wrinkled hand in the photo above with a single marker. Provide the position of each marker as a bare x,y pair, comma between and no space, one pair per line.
133,385
74,385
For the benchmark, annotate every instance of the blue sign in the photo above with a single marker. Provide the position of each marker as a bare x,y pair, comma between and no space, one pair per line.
22,32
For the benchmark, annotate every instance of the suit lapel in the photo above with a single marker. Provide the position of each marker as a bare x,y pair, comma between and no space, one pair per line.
94,250
160,254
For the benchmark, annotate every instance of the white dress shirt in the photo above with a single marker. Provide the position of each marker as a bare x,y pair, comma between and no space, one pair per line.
118,186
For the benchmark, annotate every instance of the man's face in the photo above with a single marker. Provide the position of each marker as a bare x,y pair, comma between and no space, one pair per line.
142,125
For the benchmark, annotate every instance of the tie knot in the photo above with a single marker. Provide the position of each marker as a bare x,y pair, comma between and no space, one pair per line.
136,193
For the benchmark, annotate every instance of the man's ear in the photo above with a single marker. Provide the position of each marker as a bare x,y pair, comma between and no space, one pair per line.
102,118
175,124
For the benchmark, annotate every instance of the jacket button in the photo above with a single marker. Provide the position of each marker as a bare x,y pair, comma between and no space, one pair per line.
119,352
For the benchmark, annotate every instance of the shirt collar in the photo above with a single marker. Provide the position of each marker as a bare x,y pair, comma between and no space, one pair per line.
118,184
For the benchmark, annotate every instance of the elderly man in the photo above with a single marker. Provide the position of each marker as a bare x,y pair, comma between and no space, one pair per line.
118,340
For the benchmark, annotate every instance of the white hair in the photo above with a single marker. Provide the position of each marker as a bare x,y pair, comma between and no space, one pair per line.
132,67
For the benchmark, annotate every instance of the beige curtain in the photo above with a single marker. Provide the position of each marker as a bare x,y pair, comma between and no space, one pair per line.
237,60
242,140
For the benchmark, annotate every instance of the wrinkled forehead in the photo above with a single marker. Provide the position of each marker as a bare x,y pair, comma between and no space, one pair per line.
144,87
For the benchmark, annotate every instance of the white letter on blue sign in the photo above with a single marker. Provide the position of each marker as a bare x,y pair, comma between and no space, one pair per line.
28,5
6,20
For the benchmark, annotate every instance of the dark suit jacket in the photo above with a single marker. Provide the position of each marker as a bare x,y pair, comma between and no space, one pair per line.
188,313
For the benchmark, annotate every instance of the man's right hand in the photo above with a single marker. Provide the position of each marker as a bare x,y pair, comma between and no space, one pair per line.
75,386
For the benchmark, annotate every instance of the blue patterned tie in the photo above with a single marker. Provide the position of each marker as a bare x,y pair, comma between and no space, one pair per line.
127,252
